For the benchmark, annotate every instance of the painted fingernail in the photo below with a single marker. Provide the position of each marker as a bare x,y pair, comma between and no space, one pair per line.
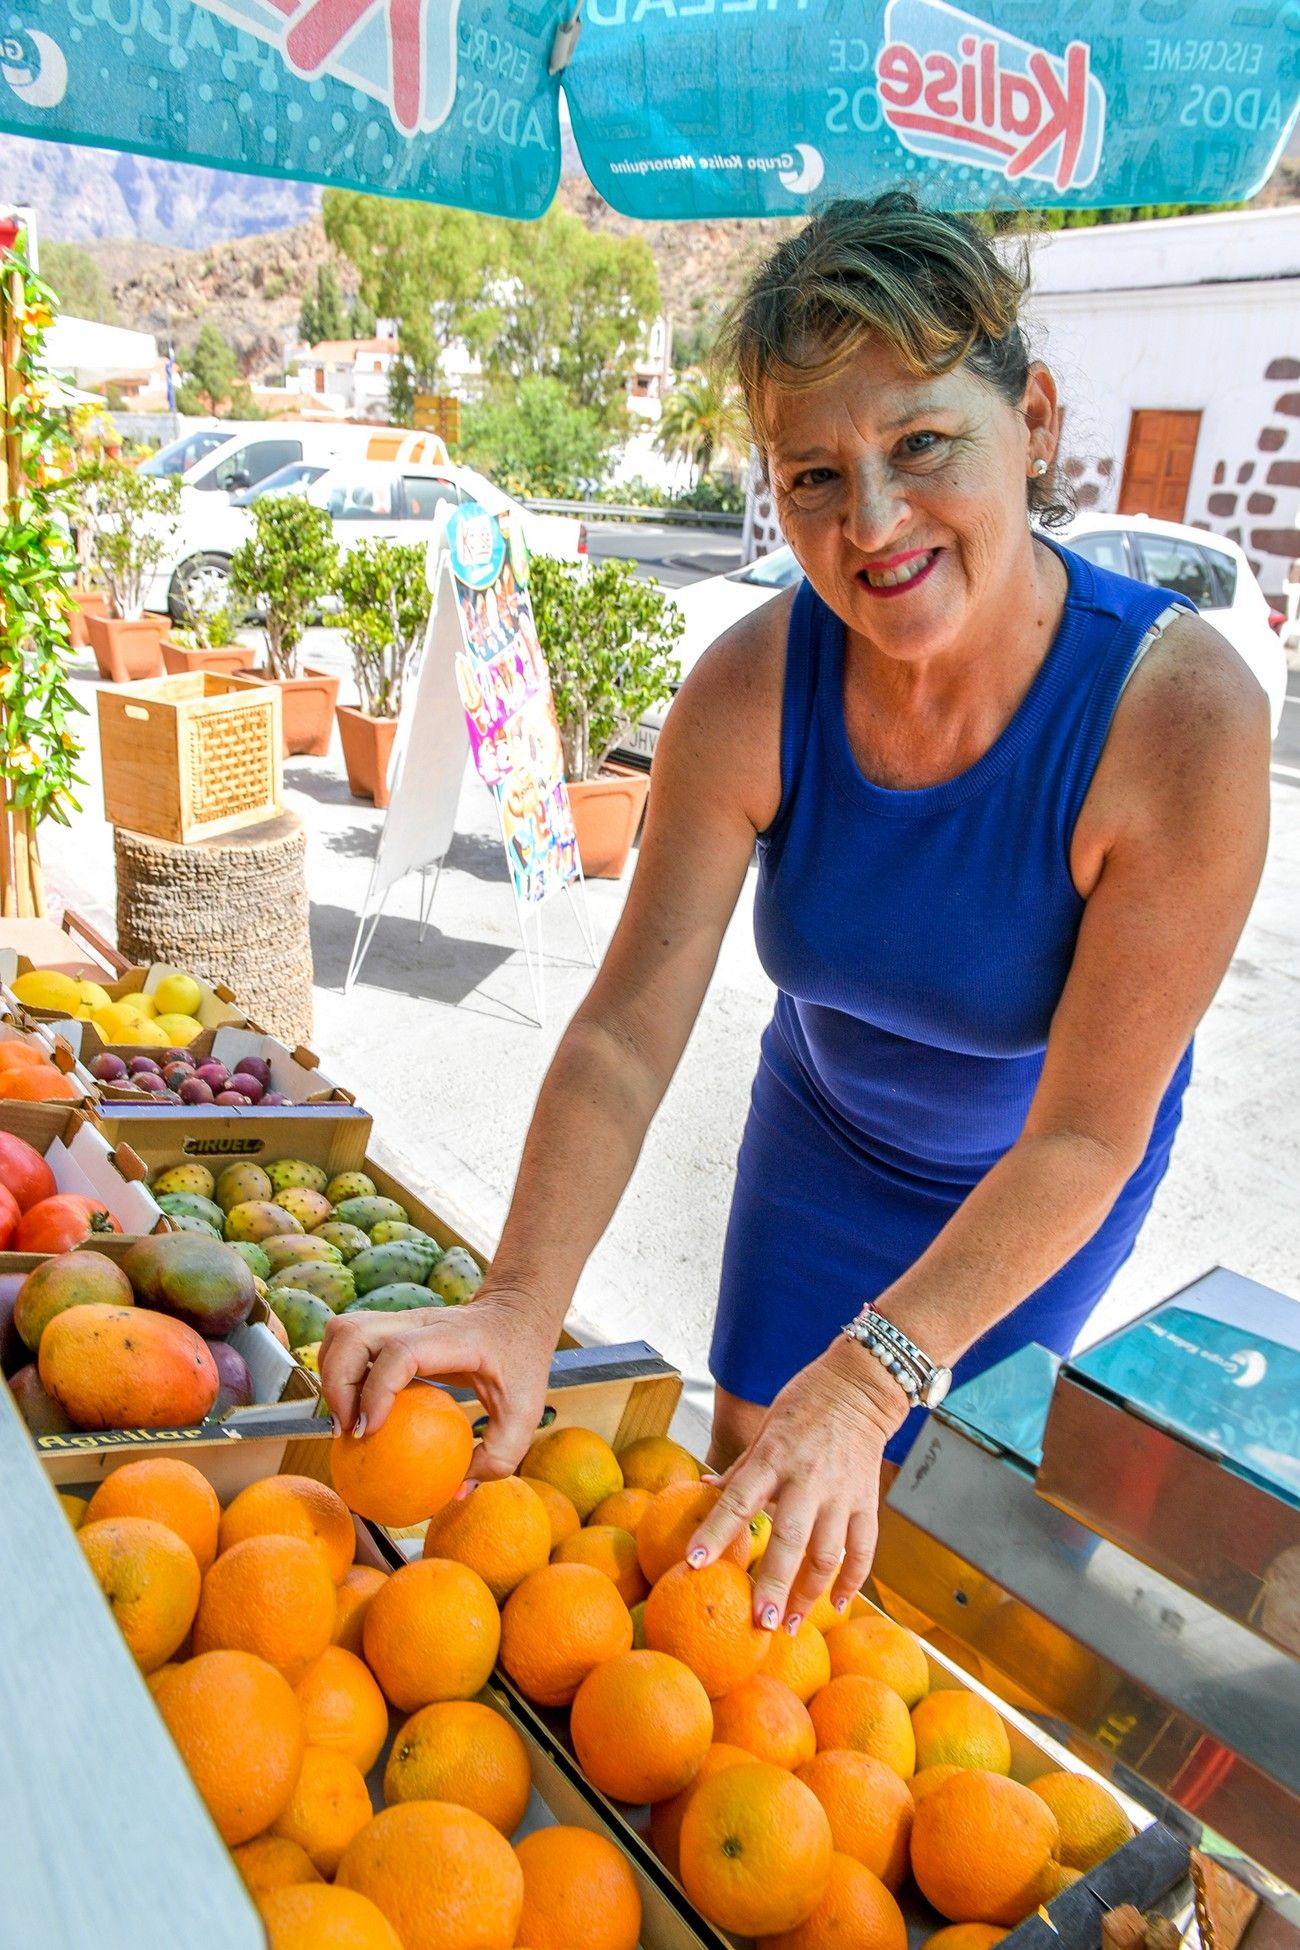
465,1490
335,1425
768,1618
696,1558
359,1426
841,1605
710,1480
793,1622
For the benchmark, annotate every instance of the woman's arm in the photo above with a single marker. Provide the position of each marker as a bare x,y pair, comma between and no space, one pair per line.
1169,848
716,784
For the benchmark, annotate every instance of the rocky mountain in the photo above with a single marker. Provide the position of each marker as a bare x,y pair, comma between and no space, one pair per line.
80,194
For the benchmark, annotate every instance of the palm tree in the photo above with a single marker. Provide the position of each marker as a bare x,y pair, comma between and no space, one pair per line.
702,418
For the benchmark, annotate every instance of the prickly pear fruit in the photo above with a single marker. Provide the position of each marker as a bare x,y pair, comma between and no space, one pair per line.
238,1184
347,1241
369,1211
457,1276
332,1284
189,1205
389,1231
309,1208
295,1248
309,1356
349,1184
258,1219
397,1298
381,1265
184,1178
303,1317
286,1173
253,1255
184,1223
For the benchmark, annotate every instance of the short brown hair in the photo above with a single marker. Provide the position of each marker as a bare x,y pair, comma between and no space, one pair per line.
927,281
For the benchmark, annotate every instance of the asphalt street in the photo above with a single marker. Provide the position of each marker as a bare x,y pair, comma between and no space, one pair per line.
671,554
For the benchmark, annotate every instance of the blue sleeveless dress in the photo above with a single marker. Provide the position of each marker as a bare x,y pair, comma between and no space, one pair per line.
919,941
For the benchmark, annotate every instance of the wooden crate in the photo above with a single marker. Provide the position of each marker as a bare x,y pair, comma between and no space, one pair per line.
188,758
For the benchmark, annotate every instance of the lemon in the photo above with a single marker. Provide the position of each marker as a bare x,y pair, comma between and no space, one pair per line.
178,1030
178,995
46,988
74,1508
92,996
116,1023
139,1004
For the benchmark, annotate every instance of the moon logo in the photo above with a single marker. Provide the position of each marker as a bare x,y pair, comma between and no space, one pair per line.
44,81
804,180
1254,1367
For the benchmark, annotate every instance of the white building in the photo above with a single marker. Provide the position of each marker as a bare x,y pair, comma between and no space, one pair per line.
93,353
652,372
349,375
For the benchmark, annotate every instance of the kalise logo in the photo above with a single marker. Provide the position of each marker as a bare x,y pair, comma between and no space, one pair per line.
954,88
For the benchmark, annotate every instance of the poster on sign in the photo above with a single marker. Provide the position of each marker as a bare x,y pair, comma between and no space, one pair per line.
505,688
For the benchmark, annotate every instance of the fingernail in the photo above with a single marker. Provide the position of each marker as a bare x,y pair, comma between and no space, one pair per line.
841,1605
710,1480
335,1426
359,1426
768,1618
463,1492
696,1558
793,1622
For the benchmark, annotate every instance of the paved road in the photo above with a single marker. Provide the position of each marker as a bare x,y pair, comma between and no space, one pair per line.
672,553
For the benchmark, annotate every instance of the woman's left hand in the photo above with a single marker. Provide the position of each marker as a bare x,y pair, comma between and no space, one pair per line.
815,1464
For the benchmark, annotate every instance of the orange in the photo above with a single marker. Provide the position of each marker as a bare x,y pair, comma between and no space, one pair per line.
353,1601
869,1809
705,1618
637,1614
763,1715
577,1462
239,1731
431,1633
343,1708
270,1595
460,1751
755,1850
666,1816
610,1550
801,1660
444,1877
270,1862
501,1531
22,1056
960,1727
562,1622
823,1614
984,1848
1091,1821
74,1508
318,1918
170,1492
667,1527
564,1518
411,1465
882,1650
641,1724
926,1778
856,1909
854,1711
293,1506
330,1804
1060,1880
965,1936
578,1888
150,1579
652,1462
624,1510
37,1083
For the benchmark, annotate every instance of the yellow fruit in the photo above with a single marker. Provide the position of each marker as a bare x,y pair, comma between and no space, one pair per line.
960,1727
760,1530
74,1508
178,1030
178,995
309,1356
117,1023
139,1004
92,996
654,1461
1092,1823
46,988
577,1462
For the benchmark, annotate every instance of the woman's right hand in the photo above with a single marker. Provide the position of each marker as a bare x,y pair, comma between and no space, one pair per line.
499,1344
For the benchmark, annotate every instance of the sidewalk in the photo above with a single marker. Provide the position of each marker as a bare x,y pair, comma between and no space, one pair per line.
438,1041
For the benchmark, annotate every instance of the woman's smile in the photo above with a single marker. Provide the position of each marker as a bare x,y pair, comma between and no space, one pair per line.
900,573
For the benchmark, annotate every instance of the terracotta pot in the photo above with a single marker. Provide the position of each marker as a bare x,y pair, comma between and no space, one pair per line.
226,662
606,814
367,747
85,603
127,648
308,706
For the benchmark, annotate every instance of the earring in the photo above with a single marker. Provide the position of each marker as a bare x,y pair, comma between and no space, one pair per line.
1038,469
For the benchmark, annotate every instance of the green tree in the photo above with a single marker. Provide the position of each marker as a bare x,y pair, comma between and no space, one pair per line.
700,420
533,439
608,636
385,610
283,570
361,319
78,282
323,315
211,373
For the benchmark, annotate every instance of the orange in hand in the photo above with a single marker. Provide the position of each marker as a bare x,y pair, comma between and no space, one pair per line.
411,1465
666,1528
705,1618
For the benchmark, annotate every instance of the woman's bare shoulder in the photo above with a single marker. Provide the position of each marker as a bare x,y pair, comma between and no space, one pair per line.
727,714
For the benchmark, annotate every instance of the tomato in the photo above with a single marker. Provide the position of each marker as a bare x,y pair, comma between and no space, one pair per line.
58,1224
24,1172
9,1217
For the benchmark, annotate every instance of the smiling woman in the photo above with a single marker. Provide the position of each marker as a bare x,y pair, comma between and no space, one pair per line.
1010,811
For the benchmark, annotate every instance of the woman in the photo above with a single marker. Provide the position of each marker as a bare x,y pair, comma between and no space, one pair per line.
1010,814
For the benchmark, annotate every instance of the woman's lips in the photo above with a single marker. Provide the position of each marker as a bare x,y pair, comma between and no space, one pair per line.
904,573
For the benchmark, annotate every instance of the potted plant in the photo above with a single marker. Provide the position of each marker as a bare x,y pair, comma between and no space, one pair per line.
385,611
284,570
207,640
608,639
128,521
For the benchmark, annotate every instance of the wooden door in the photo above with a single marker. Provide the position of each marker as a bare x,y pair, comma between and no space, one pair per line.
1158,463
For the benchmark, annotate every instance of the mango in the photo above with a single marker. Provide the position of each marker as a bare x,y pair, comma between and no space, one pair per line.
74,1279
197,1280
287,1173
457,1277
258,1219
240,1183
127,1368
185,1178
349,1184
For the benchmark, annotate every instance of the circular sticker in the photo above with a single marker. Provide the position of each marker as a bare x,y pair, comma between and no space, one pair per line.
478,548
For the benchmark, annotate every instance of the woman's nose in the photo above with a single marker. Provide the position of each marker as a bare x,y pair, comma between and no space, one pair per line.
877,510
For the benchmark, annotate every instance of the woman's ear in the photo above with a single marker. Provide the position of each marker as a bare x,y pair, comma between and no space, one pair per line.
1041,412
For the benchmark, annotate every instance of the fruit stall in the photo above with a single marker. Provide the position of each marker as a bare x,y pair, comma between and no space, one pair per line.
329,1700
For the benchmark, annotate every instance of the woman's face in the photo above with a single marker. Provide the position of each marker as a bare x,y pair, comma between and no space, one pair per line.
904,498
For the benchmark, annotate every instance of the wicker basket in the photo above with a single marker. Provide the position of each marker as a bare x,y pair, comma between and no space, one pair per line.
188,758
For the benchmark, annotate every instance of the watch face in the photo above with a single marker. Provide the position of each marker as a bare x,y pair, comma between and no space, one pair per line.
937,1386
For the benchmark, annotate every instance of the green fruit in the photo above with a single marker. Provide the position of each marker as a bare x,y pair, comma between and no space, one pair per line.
389,1231
252,1255
185,1178
258,1219
309,1208
368,1211
303,1317
189,1205
288,1172
196,1280
240,1183
381,1265
349,1184
347,1241
294,1248
332,1284
397,1298
457,1276
184,1223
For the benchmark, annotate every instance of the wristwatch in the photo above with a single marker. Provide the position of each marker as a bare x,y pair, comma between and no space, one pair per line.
922,1379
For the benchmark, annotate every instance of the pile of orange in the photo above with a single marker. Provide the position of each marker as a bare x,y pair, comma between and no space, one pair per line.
29,1073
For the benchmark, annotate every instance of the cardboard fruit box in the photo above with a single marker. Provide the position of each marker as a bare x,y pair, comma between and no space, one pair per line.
295,1073
78,1155
333,1135
59,1053
70,946
217,1004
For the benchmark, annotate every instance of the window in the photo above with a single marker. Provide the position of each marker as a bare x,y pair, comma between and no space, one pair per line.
252,463
1179,566
1104,551
360,497
1225,574
779,570
424,494
182,454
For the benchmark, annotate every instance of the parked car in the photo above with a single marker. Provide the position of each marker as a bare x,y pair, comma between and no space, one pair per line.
1212,571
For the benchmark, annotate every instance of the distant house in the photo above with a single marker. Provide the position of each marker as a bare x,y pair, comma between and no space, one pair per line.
350,374
652,371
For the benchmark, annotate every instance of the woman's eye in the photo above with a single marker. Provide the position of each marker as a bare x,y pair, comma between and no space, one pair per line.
920,443
812,477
